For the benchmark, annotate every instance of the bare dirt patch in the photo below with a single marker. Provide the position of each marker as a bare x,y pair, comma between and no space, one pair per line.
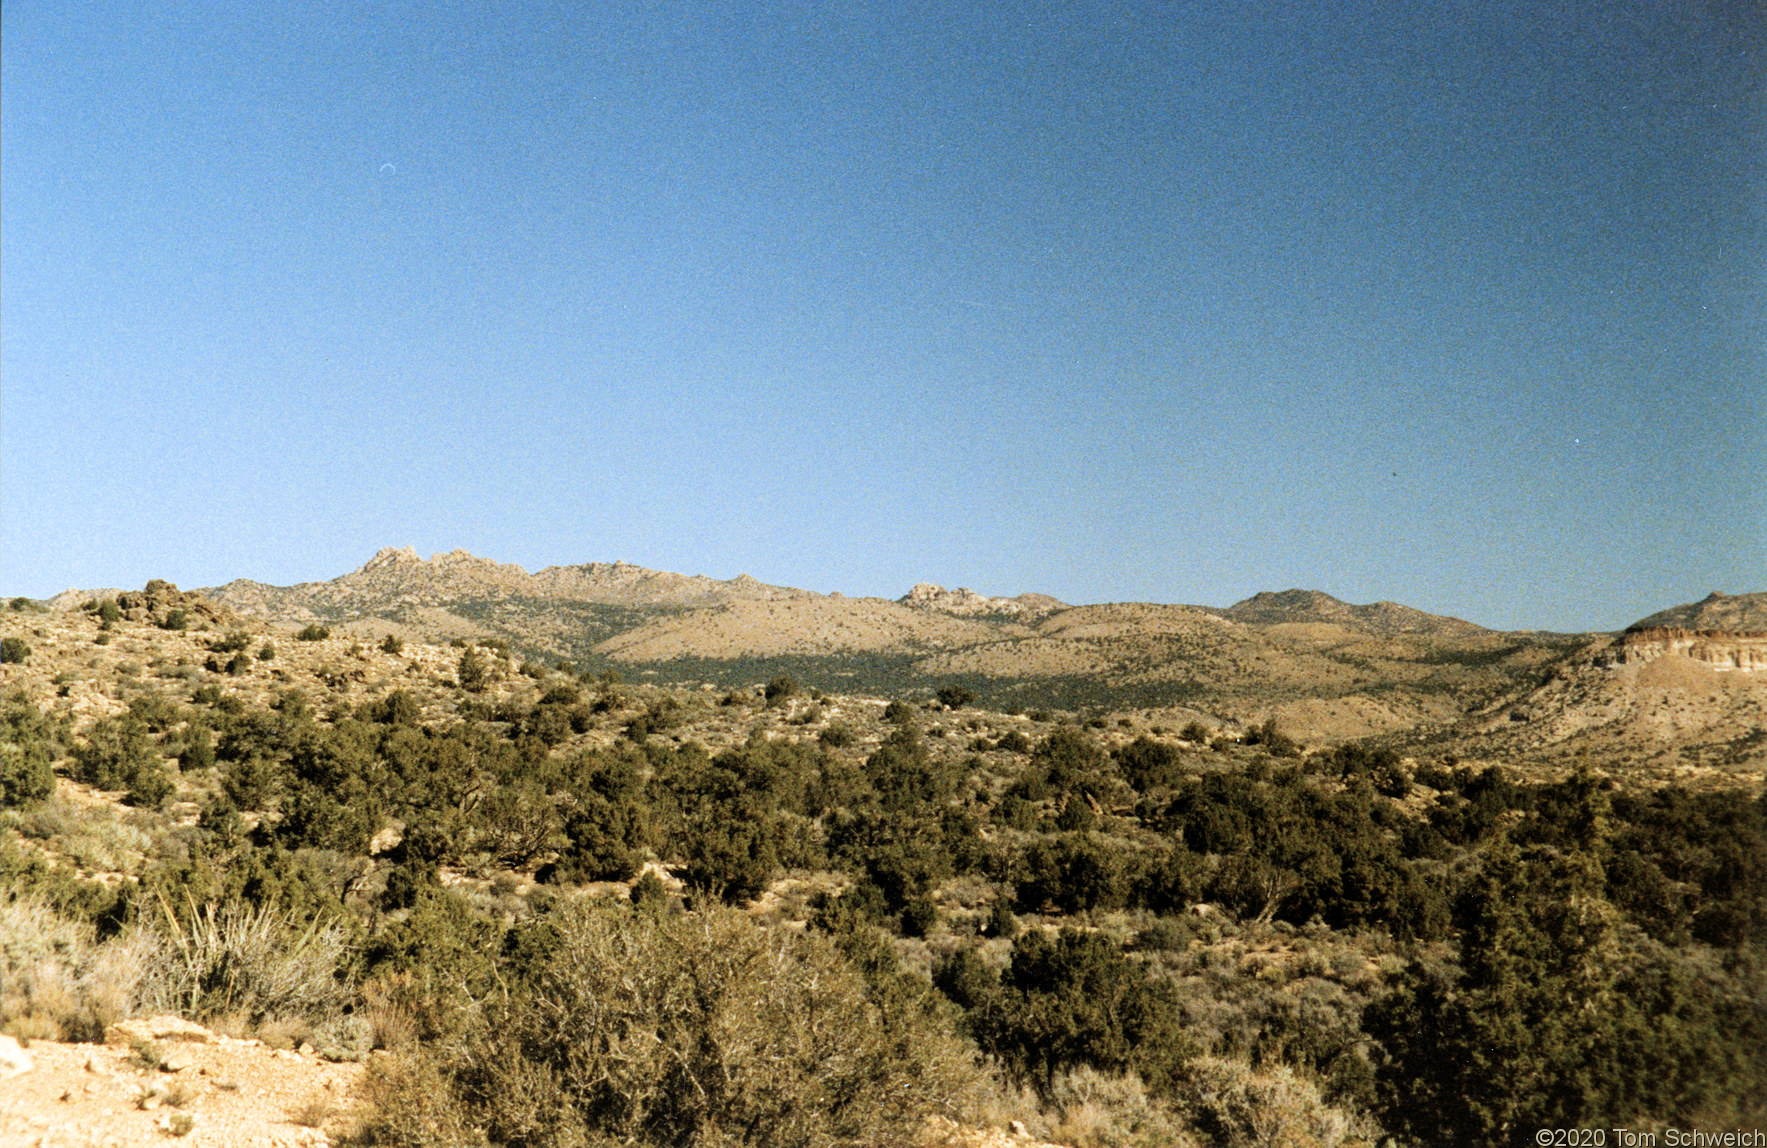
213,1090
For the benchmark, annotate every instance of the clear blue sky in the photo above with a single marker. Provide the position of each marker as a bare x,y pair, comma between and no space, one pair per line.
1455,304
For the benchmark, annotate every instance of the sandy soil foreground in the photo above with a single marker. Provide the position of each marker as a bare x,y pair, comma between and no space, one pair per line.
206,1090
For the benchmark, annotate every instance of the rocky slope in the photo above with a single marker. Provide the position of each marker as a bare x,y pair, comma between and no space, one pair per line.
1732,613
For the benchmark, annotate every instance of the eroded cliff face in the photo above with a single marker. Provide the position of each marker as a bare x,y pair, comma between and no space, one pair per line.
1719,649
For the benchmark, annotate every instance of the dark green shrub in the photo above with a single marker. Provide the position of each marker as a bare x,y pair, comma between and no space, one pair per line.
1149,764
1071,872
733,860
252,781
14,651
919,916
232,643
955,697
561,694
649,894
898,712
176,620
109,613
406,882
392,644
836,735
1001,922
779,689
1075,1000
1555,1018
1076,815
906,776
198,750
400,707
1275,742
115,752
445,950
964,978
313,632
28,745
266,652
1016,812
1012,741
473,671
1069,759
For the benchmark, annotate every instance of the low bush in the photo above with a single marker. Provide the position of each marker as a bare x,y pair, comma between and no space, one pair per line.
639,1028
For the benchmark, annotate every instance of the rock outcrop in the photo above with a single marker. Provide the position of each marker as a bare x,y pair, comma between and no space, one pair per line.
965,602
1718,649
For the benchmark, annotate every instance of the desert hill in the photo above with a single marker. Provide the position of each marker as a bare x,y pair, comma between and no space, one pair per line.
1325,669
1335,669
1733,613
1275,608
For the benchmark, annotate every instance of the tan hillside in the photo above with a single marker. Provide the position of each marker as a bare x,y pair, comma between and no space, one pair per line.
810,625
1272,608
1667,715
1716,611
1326,669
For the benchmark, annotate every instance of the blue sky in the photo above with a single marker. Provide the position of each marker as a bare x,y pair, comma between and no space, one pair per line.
1455,304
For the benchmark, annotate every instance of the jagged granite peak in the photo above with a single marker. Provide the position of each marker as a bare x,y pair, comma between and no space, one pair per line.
1731,613
391,556
965,602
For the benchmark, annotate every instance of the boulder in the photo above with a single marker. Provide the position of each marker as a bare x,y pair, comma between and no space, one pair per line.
156,1030
14,1060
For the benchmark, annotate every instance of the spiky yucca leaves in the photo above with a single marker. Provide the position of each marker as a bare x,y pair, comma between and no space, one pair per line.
252,961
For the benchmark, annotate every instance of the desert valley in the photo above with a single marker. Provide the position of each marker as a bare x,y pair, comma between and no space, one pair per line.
444,852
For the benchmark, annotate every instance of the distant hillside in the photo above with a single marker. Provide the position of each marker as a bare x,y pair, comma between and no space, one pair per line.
1735,613
1270,608
1325,669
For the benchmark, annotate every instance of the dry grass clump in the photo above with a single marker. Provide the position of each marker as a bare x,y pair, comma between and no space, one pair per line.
248,960
238,968
56,981
313,1112
1238,1106
93,838
1092,1109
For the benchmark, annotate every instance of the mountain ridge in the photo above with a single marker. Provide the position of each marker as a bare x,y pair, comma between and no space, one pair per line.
1326,669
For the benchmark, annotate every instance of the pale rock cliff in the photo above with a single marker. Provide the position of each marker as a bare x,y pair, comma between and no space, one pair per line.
1718,649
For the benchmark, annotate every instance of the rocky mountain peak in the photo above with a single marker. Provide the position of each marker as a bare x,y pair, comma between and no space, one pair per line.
389,556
